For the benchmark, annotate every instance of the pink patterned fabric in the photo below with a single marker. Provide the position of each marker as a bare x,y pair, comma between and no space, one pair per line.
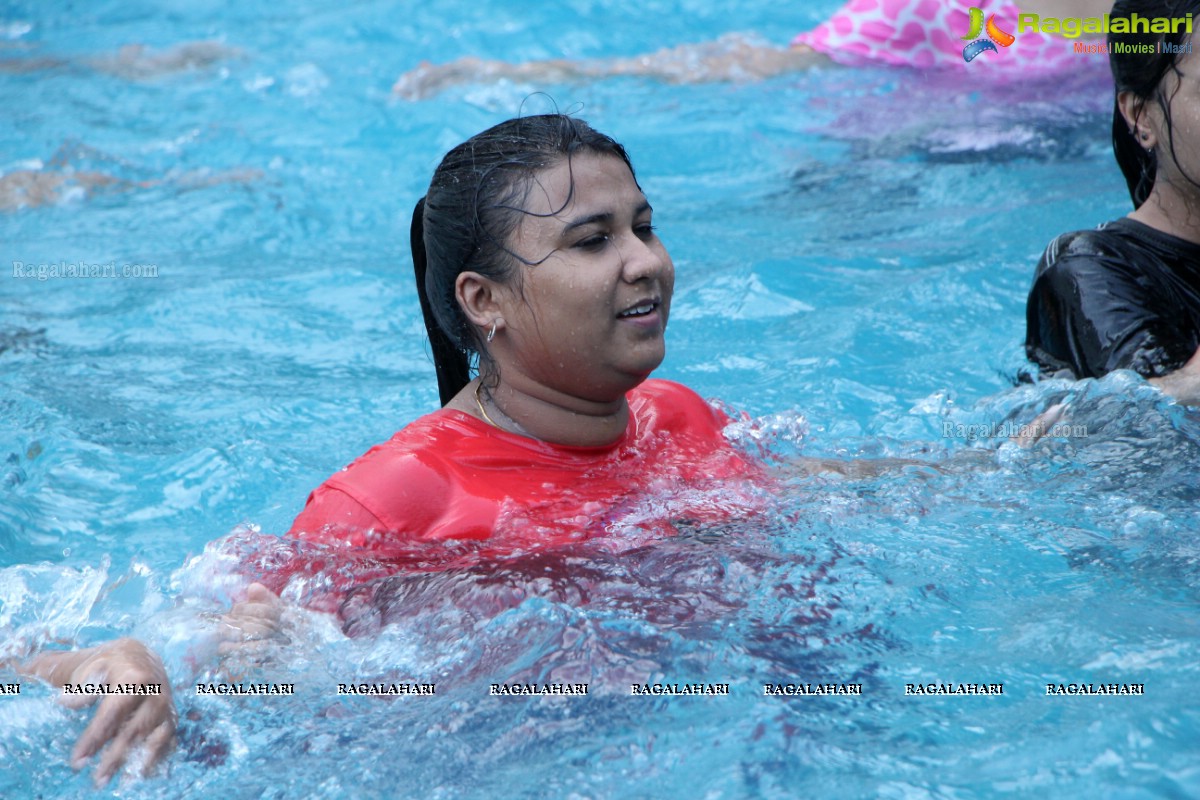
925,33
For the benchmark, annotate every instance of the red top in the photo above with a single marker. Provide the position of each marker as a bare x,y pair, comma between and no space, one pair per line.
449,476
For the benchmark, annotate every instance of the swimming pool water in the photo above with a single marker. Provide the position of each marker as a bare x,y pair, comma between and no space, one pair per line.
853,251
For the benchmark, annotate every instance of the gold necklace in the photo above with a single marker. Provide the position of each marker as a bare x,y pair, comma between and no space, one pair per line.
483,410
515,427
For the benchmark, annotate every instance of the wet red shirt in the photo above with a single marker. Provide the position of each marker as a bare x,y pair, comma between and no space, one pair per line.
450,476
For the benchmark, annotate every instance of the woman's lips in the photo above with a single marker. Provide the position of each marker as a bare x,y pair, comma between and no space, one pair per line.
641,309
646,314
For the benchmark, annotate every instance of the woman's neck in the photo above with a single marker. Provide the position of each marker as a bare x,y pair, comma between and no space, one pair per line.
1171,212
546,415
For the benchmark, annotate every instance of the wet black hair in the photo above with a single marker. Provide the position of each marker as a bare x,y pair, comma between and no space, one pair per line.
473,205
1143,74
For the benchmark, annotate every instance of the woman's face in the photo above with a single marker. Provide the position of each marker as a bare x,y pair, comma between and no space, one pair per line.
587,318
1179,147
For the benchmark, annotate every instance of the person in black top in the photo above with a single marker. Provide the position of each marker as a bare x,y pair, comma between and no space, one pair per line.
1127,295
1124,296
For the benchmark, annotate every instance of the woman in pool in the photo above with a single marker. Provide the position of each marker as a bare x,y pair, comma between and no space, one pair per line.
534,249
535,253
1127,295
914,33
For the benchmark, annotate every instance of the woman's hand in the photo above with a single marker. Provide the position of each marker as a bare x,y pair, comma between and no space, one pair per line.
1032,433
125,726
1184,383
252,621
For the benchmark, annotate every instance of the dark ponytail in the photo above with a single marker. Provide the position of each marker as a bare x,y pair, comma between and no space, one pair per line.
1140,62
451,363
465,220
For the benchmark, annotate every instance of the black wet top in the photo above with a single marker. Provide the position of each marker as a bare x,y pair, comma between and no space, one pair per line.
1123,296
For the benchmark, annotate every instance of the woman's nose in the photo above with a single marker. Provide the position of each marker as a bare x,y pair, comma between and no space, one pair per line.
642,259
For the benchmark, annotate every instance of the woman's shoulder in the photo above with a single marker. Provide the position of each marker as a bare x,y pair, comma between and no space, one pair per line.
1120,259
696,430
658,391
402,482
672,405
1115,248
1101,239
412,454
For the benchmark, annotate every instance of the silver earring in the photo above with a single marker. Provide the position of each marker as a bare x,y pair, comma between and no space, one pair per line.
492,333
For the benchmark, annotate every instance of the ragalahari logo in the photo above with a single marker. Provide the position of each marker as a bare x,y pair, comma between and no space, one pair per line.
996,36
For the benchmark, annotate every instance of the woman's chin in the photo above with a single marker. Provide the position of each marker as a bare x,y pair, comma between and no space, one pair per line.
641,372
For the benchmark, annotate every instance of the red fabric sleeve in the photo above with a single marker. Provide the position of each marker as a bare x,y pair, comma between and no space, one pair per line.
332,515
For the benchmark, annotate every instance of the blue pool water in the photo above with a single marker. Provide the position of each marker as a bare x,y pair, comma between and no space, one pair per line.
853,250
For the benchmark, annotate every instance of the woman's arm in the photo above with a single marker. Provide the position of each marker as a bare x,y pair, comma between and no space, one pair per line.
856,469
1183,385
732,57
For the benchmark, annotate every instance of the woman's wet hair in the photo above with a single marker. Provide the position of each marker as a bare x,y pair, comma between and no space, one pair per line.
1144,74
463,223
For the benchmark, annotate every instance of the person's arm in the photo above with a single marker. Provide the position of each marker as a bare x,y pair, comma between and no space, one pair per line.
856,469
1183,385
122,722
139,62
732,57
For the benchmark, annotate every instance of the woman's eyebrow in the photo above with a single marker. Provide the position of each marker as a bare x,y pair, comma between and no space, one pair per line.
604,218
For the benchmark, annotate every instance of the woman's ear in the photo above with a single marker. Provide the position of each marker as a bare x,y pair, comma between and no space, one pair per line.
1141,119
480,299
